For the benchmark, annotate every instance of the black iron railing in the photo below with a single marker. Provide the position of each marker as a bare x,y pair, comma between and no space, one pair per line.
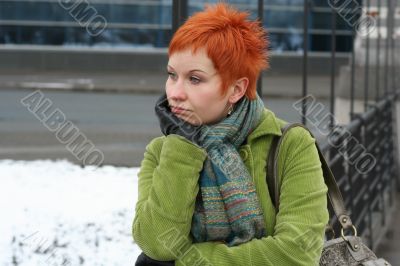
368,194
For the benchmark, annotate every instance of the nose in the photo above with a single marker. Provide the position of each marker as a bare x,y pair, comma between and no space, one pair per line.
177,91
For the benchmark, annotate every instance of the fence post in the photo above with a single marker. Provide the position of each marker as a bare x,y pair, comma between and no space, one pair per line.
366,74
378,47
353,68
333,61
387,42
261,19
179,13
305,61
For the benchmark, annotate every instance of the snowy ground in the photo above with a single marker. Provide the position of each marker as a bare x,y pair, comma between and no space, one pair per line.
57,213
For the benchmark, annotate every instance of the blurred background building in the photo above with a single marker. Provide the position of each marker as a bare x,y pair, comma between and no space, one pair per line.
138,23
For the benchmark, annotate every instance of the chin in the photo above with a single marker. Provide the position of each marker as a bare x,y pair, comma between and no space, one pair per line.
193,120
194,123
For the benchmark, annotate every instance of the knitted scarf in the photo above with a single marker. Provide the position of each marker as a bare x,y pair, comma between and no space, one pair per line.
227,207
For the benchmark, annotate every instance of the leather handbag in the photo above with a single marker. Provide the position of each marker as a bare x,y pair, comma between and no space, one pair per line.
344,250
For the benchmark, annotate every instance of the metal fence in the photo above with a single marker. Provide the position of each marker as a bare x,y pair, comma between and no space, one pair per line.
369,195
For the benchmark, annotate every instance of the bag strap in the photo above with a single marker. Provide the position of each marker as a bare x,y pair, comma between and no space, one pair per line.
334,194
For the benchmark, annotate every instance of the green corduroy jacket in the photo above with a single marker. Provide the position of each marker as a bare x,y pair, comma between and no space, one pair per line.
168,186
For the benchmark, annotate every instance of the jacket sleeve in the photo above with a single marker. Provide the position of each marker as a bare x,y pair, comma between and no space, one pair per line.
300,224
167,189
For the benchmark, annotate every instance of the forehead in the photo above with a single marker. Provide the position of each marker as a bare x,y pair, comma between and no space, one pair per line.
186,60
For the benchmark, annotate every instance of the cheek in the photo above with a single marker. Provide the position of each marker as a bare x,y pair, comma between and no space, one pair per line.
167,86
209,108
203,101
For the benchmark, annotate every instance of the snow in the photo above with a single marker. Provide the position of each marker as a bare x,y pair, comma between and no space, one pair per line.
57,213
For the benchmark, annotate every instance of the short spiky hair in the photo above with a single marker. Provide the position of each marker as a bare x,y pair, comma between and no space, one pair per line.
236,45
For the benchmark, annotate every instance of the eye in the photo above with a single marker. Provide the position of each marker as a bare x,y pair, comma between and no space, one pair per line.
172,75
194,80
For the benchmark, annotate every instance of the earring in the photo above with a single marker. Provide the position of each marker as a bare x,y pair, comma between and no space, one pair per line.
230,110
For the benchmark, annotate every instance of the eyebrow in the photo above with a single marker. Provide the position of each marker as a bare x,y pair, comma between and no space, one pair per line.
193,70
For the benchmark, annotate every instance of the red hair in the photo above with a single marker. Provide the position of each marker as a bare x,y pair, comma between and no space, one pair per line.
236,45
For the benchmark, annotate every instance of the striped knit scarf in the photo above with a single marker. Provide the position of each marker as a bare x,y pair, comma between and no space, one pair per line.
227,207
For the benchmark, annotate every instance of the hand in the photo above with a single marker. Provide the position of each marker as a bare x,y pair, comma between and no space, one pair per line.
171,124
144,260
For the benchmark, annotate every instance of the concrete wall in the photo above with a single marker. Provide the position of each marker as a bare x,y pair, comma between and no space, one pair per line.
52,58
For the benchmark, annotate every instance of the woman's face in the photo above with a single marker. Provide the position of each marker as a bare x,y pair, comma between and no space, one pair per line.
194,85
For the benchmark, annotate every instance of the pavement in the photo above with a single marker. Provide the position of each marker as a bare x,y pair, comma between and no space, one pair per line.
119,124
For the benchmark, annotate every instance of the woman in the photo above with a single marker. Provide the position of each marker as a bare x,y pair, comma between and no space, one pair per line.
203,197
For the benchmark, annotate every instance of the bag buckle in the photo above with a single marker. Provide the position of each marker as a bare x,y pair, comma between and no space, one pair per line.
354,232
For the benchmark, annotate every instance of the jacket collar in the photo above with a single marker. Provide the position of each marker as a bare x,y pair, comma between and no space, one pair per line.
269,125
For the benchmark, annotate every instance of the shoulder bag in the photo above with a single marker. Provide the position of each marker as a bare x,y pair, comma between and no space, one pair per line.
344,250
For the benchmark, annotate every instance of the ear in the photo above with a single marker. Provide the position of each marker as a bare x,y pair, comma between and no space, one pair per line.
239,89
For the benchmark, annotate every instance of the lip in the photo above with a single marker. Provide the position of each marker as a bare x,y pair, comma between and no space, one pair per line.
178,110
